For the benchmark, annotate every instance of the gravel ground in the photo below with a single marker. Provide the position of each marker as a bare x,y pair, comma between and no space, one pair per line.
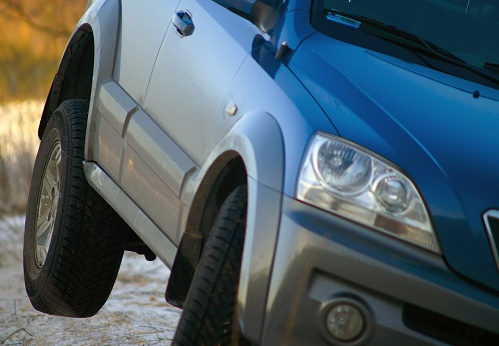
135,314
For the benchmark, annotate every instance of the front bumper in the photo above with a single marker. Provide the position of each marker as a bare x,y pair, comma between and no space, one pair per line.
409,294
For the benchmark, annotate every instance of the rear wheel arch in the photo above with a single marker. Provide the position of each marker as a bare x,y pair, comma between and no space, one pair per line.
73,79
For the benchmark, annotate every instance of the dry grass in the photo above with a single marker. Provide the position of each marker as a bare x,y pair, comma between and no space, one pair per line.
18,146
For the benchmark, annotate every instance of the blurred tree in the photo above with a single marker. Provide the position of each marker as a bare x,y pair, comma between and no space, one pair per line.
31,47
15,10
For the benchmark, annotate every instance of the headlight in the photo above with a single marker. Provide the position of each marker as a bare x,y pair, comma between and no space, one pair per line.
348,181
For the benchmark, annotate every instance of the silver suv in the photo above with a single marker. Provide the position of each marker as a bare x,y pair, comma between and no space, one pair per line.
313,172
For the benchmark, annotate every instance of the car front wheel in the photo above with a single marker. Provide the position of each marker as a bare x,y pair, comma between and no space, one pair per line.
209,314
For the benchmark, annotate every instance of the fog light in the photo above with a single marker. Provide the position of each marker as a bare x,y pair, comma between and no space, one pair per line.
345,322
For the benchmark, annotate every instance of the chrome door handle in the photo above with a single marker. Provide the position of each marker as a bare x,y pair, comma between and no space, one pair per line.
183,23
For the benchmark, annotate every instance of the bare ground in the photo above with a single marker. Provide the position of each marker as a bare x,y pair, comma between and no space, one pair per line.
135,314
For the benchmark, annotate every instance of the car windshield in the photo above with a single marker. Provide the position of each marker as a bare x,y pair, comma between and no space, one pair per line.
462,33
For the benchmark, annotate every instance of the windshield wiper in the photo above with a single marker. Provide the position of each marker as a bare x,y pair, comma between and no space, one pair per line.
391,33
408,40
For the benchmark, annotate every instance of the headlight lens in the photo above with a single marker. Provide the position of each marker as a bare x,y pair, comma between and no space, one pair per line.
342,168
348,181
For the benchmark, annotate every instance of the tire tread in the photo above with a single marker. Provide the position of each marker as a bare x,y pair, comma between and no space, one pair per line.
90,241
209,316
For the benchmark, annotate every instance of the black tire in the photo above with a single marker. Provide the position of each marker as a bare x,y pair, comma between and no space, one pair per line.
209,314
73,242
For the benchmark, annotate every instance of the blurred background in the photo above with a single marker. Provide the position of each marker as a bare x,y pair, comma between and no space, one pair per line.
32,40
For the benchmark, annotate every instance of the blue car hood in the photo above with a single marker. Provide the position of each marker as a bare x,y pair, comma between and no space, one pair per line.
441,130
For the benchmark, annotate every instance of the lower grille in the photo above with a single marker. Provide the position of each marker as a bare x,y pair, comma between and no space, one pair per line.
446,329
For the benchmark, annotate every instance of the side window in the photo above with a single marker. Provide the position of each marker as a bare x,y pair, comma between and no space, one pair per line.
262,13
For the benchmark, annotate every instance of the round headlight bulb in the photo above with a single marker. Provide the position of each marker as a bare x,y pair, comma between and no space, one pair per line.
393,193
342,167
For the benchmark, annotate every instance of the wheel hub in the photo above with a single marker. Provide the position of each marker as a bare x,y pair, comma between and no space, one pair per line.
48,203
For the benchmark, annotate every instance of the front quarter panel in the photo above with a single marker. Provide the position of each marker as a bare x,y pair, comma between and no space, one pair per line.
271,144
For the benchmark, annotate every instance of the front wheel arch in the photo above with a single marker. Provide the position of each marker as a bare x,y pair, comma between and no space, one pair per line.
224,175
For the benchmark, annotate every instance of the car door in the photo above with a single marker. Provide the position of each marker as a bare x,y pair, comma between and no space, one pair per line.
193,73
169,139
142,26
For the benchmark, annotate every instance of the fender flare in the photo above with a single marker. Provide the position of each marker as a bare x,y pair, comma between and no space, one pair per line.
257,139
102,19
260,142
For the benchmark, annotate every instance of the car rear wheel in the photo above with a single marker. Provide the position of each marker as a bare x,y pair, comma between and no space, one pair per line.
74,242
209,314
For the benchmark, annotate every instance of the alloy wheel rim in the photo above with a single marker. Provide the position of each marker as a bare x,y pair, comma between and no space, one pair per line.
47,206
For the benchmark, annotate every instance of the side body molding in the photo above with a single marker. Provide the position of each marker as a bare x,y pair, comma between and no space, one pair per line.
145,228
